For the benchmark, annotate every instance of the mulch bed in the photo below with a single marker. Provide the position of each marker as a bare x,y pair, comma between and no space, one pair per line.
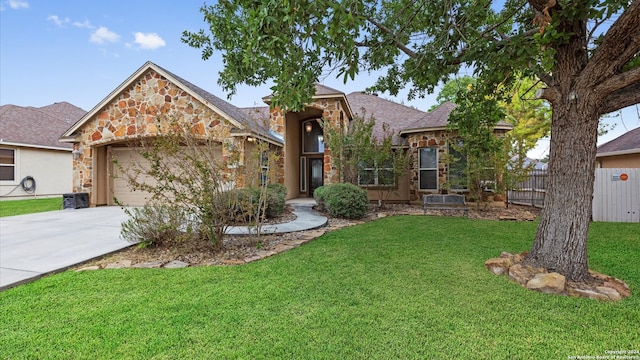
237,248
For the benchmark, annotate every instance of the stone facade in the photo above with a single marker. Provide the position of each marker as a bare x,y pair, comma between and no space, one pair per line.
142,110
438,139
333,111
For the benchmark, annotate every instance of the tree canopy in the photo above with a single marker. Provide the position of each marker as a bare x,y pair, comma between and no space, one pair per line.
586,53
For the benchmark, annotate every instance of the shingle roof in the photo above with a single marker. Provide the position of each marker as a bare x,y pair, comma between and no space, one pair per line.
39,127
400,118
259,114
236,116
251,123
627,142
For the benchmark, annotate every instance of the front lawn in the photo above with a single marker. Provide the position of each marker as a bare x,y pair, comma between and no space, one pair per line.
21,207
410,287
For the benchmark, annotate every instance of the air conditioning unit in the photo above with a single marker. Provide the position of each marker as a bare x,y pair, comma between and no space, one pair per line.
75,200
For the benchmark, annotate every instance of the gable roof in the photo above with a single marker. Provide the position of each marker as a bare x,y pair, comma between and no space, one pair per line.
37,127
228,111
324,92
627,143
397,116
403,119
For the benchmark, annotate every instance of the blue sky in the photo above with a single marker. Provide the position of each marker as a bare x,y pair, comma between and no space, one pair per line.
79,51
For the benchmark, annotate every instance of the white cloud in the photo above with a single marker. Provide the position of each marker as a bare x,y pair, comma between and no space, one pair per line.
56,20
85,24
103,35
18,4
149,41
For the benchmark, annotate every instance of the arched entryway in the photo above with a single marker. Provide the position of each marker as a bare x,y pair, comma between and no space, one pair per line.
312,156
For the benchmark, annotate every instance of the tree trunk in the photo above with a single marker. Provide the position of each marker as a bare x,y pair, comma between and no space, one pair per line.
560,244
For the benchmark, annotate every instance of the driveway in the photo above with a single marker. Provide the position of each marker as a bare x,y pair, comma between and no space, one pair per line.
36,244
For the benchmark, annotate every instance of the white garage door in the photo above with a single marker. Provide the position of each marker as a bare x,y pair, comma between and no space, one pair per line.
128,159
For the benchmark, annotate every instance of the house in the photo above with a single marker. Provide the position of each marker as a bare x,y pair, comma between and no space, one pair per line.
32,160
106,133
131,112
621,152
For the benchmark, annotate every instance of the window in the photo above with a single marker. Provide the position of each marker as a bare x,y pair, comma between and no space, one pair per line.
428,168
7,165
457,167
373,175
303,174
312,137
264,168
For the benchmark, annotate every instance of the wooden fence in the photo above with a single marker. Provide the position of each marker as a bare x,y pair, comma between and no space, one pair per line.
530,191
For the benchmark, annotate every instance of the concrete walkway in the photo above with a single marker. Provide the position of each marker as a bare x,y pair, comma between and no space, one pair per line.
34,245
306,219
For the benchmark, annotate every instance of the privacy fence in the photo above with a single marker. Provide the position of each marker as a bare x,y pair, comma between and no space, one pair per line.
531,190
616,193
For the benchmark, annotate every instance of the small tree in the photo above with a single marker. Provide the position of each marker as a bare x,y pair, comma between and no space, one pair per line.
186,169
388,164
474,121
348,144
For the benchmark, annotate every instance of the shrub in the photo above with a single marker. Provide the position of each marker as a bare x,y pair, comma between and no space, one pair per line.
276,194
320,195
347,201
153,225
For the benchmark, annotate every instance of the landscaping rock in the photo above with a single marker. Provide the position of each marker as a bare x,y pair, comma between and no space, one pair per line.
498,266
233,262
122,264
587,293
522,274
176,264
609,292
149,265
619,286
89,268
551,283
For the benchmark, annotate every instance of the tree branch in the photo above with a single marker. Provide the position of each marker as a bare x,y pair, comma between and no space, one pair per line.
622,98
618,46
551,94
619,81
388,31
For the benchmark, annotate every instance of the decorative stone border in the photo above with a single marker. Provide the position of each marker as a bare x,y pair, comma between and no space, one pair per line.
604,287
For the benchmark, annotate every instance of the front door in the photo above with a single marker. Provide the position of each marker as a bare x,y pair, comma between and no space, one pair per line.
316,176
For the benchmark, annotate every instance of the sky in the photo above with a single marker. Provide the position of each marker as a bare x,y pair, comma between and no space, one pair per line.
79,51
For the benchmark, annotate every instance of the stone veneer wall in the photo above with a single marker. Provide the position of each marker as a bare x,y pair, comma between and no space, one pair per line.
137,112
333,111
438,139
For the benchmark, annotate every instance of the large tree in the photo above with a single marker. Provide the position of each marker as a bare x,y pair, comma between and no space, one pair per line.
585,52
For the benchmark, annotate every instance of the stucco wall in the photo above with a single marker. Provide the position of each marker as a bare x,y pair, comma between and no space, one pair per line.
620,161
51,170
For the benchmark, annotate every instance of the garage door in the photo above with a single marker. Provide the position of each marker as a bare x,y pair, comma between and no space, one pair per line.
128,159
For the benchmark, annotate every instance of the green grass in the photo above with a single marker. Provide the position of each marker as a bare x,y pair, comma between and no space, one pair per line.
396,288
21,207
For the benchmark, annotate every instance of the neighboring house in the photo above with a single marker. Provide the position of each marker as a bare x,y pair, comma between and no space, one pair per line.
32,160
621,152
130,112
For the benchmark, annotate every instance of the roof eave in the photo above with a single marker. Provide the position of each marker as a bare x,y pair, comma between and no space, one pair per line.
44,147
257,136
148,65
619,152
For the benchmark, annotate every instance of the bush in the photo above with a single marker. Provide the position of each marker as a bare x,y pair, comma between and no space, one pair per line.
244,202
320,195
153,225
346,201
276,194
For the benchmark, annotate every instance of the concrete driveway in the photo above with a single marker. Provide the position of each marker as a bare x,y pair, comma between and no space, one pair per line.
36,244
